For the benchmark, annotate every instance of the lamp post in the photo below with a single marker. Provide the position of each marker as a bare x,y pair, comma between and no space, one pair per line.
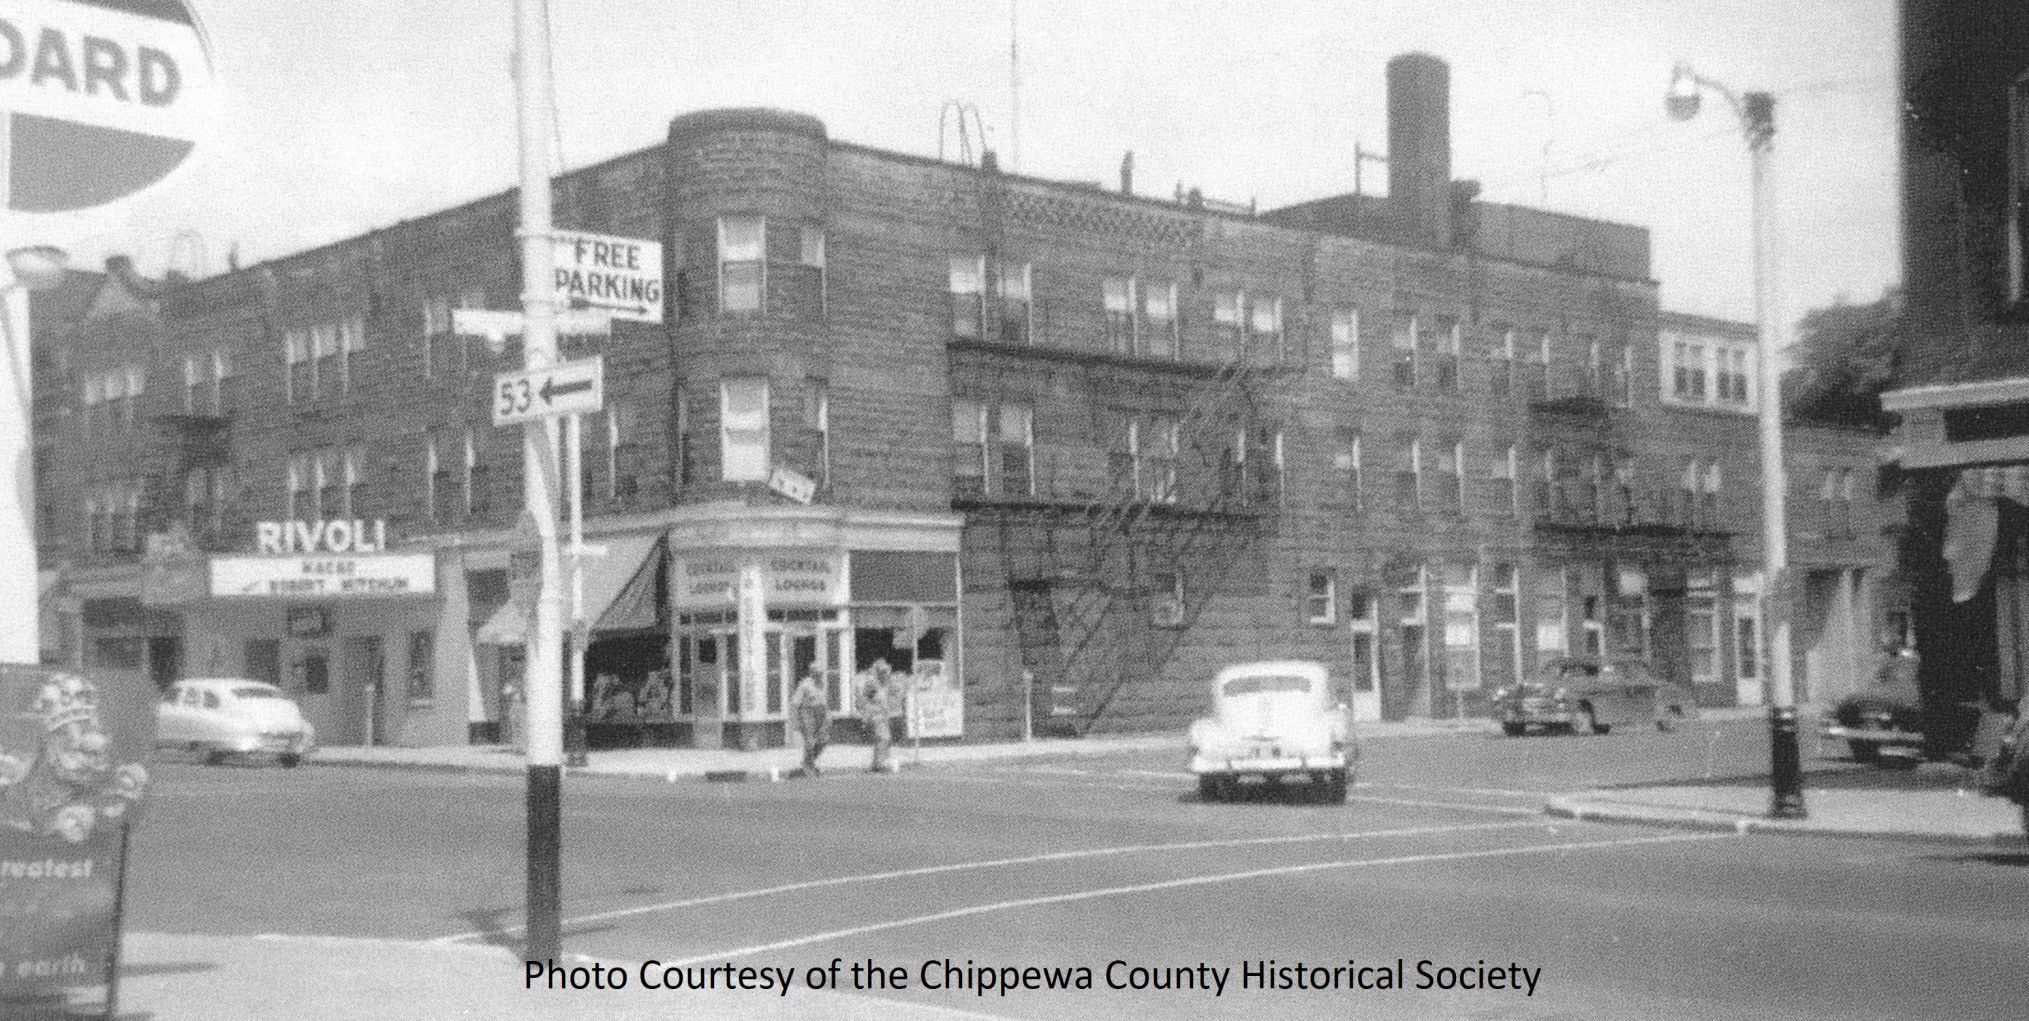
35,268
1756,111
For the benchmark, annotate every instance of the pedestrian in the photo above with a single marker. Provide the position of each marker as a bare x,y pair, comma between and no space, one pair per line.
813,719
876,706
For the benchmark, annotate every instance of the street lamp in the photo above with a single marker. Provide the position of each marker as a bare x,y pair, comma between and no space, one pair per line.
35,268
1756,111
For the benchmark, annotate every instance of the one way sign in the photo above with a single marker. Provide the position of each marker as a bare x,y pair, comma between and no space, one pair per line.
567,388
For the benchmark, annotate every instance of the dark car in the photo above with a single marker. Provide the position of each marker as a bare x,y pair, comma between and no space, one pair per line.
1581,694
1882,723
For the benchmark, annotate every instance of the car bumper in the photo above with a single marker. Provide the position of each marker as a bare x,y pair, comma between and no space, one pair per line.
288,744
1546,718
1885,738
1264,765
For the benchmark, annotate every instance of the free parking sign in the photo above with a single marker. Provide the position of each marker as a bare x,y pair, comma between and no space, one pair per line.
102,98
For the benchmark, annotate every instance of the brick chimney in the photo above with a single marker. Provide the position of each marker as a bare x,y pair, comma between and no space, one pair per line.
1419,146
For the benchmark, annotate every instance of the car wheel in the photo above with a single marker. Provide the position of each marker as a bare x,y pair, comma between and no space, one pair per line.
1334,792
1601,728
1864,752
1211,788
289,760
1514,729
214,757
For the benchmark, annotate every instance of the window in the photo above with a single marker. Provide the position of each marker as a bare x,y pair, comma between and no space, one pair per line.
1015,322
1701,626
1166,599
811,255
474,499
1157,448
1553,625
1503,473
1409,479
1535,351
93,392
1689,360
1622,393
422,666
1017,450
300,474
1451,477
1265,329
1732,388
817,422
1347,462
1366,665
743,429
1415,621
1631,622
1747,626
686,448
330,502
434,480
968,297
2017,210
1229,311
1708,498
1321,600
324,343
1118,295
1461,627
354,500
221,370
1449,337
1546,486
436,324
1403,338
743,263
1345,344
1595,367
1504,661
1501,364
968,447
193,377
1158,329
351,341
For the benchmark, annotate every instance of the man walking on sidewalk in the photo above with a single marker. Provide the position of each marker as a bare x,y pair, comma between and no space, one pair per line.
876,706
813,719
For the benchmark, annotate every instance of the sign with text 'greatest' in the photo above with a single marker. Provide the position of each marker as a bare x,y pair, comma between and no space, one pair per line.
619,276
102,98
566,388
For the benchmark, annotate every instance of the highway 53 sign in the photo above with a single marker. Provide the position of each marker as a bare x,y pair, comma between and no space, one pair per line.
102,98
566,388
619,276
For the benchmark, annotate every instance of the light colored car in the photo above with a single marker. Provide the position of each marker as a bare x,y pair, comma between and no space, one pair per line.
1278,722
1590,694
218,717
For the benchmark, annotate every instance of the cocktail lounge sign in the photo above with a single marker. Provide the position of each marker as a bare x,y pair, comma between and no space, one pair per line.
337,558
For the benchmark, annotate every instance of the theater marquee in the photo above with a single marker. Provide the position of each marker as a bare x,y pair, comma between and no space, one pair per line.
323,560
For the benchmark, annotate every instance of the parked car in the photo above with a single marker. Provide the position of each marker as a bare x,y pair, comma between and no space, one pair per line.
1881,723
217,717
1591,694
1276,722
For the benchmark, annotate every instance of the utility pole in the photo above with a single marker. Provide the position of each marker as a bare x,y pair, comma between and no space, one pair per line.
543,684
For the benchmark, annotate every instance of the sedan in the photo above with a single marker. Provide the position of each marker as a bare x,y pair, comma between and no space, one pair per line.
217,717
1591,694
1881,723
1276,722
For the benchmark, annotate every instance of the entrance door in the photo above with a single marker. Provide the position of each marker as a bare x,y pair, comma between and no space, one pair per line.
360,691
1366,688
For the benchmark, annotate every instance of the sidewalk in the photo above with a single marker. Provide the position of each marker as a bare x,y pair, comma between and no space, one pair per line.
761,764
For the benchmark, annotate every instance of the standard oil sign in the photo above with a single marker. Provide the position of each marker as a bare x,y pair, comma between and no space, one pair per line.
102,98
323,560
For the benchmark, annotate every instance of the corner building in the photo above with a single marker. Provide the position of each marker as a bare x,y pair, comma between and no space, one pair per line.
1070,449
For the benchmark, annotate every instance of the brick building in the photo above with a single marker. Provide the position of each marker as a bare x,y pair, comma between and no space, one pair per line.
1073,448
1964,375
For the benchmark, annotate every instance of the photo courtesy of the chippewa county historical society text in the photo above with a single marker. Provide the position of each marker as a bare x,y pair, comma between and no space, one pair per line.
1014,509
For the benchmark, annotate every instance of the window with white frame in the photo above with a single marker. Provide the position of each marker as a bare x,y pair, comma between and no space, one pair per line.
1592,610
221,370
354,500
1449,339
1632,624
1366,660
1409,478
1402,336
1503,474
817,422
1703,371
2017,204
1701,625
1548,497
1321,597
330,481
1623,393
1550,600
1016,316
1595,366
1229,322
1504,660
1414,620
301,472
324,343
1159,449
1708,497
1747,653
1345,344
743,429
1347,462
1501,363
1461,627
1688,361
432,484
1450,480
1017,438
968,297
1158,328
1264,328
1117,294
351,341
1535,370
1732,388
968,447
743,263
811,254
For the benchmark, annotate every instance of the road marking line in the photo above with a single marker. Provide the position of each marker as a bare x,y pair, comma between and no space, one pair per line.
1461,790
1173,884
975,866
1459,805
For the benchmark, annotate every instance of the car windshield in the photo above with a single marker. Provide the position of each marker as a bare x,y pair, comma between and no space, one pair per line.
1262,684
256,693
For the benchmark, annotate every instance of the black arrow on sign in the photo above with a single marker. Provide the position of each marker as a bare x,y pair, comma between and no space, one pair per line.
552,390
582,303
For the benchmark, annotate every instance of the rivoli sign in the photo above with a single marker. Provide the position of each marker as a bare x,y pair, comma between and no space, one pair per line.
323,560
102,98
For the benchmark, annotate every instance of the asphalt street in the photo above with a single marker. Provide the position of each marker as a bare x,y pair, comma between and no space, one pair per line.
1111,869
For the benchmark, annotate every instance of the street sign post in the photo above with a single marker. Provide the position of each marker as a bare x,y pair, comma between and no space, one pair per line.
102,98
621,277
566,388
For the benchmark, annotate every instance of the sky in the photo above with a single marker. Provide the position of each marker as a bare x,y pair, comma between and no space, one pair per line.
332,119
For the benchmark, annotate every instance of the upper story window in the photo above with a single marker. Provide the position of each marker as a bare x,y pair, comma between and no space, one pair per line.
1707,372
1534,345
968,447
1017,438
1229,322
203,379
1264,328
1158,328
300,372
1688,381
2018,189
1403,339
1012,286
743,429
325,352
743,263
1347,462
1409,480
1503,473
1345,344
968,297
1321,597
1732,375
1450,483
351,341
1117,293
817,422
1501,363
1595,366
1448,339
810,254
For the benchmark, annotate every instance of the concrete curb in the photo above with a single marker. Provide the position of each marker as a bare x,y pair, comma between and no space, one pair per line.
1582,810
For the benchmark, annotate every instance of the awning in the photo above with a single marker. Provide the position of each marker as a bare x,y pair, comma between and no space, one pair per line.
624,588
506,626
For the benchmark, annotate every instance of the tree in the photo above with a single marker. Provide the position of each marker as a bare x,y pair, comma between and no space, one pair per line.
1844,357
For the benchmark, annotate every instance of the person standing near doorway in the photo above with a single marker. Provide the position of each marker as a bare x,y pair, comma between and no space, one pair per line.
813,719
876,706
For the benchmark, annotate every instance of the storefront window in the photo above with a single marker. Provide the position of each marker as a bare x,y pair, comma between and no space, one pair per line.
422,666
